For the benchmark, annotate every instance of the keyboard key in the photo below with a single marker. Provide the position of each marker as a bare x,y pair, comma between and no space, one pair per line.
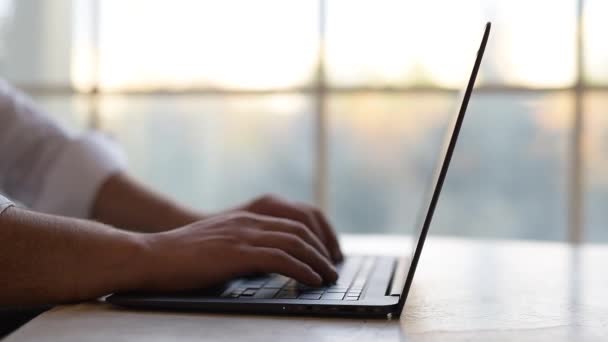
249,292
306,287
333,296
291,284
233,292
291,290
265,293
253,284
236,293
287,295
278,281
351,298
337,289
227,293
310,296
314,291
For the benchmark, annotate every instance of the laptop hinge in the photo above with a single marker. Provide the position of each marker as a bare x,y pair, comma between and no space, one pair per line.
399,276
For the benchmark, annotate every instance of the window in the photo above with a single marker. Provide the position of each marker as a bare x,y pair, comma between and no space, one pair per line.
263,44
395,43
595,24
339,102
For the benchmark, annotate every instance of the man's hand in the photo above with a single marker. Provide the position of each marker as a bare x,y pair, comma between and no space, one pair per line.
308,215
123,202
53,259
226,246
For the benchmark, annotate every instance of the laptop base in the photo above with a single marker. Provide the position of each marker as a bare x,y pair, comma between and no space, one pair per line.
374,299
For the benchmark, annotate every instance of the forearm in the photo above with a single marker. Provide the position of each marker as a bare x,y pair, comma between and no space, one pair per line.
49,259
125,203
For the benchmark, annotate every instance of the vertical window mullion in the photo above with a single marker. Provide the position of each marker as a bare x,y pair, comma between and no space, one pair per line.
93,93
321,119
576,188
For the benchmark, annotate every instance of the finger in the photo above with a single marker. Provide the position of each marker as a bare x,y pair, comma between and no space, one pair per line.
307,217
270,223
272,260
277,207
299,249
298,229
300,214
330,233
325,234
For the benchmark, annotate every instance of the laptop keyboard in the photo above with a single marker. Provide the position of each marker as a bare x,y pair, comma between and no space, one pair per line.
353,275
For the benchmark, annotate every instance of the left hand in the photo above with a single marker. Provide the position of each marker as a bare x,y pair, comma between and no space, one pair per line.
310,216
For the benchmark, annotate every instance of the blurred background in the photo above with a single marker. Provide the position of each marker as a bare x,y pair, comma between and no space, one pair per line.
338,102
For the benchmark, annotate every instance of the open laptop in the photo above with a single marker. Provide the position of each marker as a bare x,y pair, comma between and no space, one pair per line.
367,285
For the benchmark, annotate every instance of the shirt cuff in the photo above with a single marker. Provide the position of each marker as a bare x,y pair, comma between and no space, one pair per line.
4,204
72,183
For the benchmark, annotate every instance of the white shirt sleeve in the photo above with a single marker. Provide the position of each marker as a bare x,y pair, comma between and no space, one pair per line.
46,168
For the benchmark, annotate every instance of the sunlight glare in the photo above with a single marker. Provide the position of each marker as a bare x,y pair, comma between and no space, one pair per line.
183,44
272,44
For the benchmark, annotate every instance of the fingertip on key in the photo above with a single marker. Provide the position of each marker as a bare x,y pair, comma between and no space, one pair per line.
316,279
337,255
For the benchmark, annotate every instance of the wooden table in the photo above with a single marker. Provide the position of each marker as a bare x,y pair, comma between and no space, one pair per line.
464,291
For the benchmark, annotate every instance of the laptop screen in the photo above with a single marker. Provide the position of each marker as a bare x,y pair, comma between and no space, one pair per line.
432,194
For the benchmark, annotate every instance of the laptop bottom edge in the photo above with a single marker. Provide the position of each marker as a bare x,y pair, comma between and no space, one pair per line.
338,309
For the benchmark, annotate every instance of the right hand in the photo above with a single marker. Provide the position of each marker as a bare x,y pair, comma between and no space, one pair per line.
223,247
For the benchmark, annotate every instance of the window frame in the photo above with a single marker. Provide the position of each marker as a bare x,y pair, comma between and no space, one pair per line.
320,89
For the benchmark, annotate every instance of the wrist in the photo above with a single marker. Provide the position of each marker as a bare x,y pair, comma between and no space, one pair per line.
152,260
137,250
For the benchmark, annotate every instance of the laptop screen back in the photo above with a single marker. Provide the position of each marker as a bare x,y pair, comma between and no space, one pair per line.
440,171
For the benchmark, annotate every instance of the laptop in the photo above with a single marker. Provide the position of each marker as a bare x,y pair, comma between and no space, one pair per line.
367,286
